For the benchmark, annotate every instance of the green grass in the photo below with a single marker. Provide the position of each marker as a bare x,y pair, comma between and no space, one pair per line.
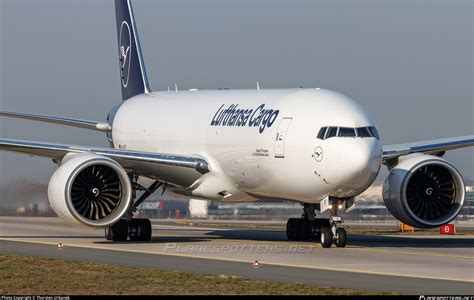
24,275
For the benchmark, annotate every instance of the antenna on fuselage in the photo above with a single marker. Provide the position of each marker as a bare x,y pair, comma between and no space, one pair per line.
258,86
175,87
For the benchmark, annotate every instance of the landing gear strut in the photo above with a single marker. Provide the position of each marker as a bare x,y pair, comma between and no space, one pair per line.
308,227
135,229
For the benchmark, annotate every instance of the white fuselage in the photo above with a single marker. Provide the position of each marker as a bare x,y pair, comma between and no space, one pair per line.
256,152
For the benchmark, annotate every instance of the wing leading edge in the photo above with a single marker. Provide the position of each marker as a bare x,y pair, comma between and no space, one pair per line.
85,124
177,169
435,147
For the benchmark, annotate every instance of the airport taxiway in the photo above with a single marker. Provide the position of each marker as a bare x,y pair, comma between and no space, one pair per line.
407,264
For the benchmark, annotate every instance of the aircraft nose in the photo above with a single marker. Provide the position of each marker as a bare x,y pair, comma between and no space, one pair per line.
361,161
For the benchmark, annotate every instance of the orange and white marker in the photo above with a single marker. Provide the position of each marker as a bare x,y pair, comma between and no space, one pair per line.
256,264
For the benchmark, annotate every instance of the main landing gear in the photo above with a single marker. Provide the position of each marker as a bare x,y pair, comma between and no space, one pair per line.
128,227
135,229
311,228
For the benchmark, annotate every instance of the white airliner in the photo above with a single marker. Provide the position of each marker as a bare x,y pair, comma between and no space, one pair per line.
314,146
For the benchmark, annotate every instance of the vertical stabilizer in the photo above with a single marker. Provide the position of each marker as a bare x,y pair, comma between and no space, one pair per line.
133,76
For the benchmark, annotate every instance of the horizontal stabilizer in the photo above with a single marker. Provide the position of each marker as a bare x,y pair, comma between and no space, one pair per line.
85,124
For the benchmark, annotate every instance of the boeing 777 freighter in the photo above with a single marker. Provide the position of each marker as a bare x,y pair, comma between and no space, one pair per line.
313,146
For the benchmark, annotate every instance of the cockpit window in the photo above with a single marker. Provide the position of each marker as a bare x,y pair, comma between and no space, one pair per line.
322,133
332,132
363,132
374,132
346,132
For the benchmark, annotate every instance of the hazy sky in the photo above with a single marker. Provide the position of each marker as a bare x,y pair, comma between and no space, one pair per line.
410,63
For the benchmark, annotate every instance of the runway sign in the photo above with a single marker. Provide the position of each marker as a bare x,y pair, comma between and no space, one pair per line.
447,229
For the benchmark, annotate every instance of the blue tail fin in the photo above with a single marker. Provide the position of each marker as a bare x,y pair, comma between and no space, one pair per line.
132,68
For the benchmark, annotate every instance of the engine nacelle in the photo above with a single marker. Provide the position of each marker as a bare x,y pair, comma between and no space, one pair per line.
424,191
90,190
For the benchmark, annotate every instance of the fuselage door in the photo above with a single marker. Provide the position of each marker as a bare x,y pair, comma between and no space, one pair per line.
281,137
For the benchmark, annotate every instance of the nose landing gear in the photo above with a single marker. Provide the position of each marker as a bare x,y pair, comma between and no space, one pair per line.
333,234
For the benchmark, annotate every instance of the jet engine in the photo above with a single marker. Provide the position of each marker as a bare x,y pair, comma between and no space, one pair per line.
424,191
90,190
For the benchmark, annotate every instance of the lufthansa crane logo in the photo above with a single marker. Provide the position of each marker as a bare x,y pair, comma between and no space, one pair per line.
318,154
125,52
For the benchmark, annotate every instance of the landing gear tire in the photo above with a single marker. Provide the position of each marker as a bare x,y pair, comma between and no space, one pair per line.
298,230
341,238
291,232
147,230
136,230
326,237
108,233
139,230
306,230
119,231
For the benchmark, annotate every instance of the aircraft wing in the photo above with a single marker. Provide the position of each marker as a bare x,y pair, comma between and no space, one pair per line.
435,147
85,124
176,169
